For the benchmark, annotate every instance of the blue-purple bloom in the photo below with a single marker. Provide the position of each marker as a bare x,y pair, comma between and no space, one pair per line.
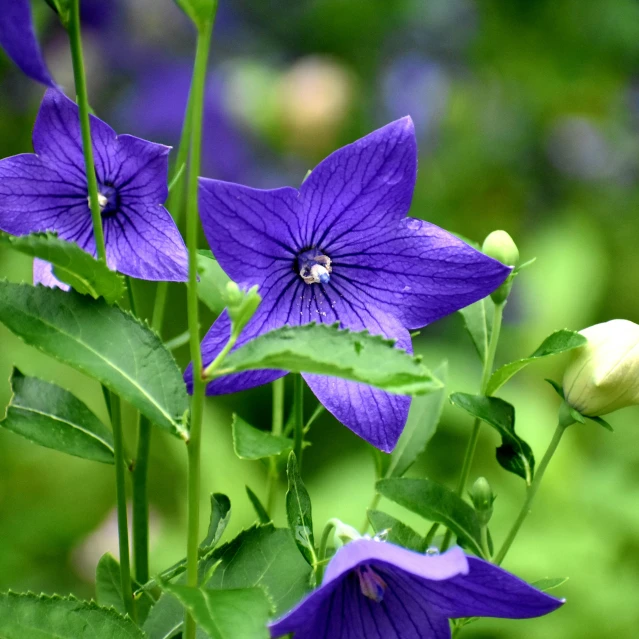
47,191
375,589
17,38
341,249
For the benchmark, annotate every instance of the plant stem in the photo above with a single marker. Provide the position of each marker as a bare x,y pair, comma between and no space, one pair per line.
123,529
531,492
321,555
298,403
276,429
204,35
75,40
141,501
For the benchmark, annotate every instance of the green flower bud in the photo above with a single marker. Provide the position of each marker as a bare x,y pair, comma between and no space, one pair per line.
603,375
241,305
481,494
500,246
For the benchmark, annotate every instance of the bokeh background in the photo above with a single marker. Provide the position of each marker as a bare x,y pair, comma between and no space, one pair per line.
527,114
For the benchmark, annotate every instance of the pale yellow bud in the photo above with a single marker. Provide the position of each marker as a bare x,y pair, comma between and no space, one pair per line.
603,375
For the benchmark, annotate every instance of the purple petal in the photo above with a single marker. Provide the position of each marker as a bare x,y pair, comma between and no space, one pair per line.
361,189
17,38
423,271
43,274
250,231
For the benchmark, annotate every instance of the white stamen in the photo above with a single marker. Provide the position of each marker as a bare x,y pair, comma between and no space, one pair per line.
103,200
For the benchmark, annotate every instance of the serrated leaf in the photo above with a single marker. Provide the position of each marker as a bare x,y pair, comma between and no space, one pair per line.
549,583
395,532
201,12
437,504
514,454
478,320
327,350
262,514
166,619
226,614
299,512
105,343
421,425
53,417
29,616
252,443
559,342
108,588
71,264
211,287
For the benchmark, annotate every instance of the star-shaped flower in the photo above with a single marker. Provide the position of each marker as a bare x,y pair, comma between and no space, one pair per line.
375,589
47,191
341,249
18,39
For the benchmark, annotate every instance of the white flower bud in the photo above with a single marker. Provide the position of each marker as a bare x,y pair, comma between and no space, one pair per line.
603,375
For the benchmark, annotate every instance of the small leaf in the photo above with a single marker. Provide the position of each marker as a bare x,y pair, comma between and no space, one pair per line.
382,462
299,512
252,443
329,350
559,342
29,616
213,280
262,514
220,516
201,12
395,532
51,416
601,422
435,503
478,320
226,614
71,264
514,454
550,583
422,423
105,343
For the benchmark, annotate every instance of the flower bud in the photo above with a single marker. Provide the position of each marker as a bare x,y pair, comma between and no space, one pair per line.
481,494
603,375
500,246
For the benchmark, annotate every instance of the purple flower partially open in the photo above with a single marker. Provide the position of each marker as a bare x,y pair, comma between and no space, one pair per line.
47,191
375,589
18,39
341,249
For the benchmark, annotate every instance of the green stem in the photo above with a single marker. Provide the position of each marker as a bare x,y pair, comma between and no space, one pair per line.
276,429
323,545
192,227
208,372
141,501
298,403
123,529
485,546
75,40
531,492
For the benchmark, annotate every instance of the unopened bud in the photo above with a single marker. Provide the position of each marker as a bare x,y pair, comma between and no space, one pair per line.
500,246
603,375
481,494
241,305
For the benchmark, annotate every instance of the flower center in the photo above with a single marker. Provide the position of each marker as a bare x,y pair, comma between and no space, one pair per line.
370,583
314,267
108,199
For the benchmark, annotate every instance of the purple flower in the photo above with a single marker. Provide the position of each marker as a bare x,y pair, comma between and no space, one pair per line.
18,39
375,589
47,191
341,250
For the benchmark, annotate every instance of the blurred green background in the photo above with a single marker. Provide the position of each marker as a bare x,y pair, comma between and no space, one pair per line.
527,113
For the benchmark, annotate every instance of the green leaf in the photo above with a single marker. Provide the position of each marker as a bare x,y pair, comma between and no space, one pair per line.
201,12
328,350
435,503
421,426
252,443
478,320
550,583
166,619
262,514
29,616
395,531
105,343
213,280
51,416
220,516
514,454
299,512
71,264
559,342
264,556
226,614
108,587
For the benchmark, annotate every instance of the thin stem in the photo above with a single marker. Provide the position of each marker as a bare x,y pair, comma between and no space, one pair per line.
331,525
123,529
485,546
298,403
531,492
208,372
75,40
192,226
141,501
276,429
